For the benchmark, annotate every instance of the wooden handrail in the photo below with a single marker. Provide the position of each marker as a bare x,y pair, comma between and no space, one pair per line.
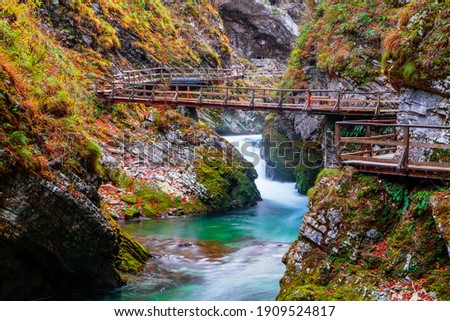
365,153
270,99
363,123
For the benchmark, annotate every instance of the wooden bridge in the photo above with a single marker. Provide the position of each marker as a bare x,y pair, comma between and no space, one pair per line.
379,104
385,147
373,146
193,76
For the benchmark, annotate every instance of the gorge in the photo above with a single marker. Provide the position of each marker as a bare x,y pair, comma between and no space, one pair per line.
80,174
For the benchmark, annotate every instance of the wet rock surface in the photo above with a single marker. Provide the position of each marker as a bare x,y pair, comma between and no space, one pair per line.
360,241
172,167
52,238
233,122
259,30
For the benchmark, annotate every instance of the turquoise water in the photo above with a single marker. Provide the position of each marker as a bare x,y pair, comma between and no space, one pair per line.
226,256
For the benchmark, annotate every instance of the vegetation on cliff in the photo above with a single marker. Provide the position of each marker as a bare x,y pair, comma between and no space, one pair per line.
366,238
53,129
47,53
406,41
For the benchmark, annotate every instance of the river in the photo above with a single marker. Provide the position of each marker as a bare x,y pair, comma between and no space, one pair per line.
226,256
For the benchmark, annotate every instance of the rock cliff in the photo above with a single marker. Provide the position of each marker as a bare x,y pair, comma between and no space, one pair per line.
258,29
366,238
54,238
59,145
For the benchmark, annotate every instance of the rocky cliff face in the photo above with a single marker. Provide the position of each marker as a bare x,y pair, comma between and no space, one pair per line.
296,147
58,143
233,122
168,164
351,41
425,108
370,239
258,29
54,238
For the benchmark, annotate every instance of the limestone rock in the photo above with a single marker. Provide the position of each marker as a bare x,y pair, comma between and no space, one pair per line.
259,30
52,239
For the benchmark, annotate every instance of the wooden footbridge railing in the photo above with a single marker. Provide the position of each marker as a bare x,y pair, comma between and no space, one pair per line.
385,147
381,104
179,75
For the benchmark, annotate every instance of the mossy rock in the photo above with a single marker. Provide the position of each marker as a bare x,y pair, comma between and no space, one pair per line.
149,210
307,171
132,255
227,186
131,213
388,231
130,199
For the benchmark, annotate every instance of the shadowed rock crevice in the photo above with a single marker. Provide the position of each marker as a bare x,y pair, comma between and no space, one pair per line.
53,238
259,30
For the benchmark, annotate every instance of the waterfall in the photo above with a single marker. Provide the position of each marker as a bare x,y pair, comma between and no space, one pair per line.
234,255
284,194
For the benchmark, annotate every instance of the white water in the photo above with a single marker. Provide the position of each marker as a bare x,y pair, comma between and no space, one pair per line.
283,194
228,256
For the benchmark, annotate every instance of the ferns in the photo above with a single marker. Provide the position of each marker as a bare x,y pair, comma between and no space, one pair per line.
18,137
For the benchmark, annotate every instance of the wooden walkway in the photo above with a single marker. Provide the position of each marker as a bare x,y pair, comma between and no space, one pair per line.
197,76
373,146
384,147
379,104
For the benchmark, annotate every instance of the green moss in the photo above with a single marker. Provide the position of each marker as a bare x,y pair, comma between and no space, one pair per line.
132,255
327,172
153,195
131,213
305,177
155,201
130,199
149,210
438,281
411,239
422,200
229,184
346,38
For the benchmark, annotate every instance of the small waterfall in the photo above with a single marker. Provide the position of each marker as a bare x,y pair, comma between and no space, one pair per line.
283,194
223,256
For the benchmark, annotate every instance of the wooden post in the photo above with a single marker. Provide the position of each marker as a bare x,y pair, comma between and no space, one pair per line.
337,138
338,103
404,160
150,74
112,91
377,110
252,99
152,96
368,147
170,76
308,99
200,98
176,93
280,102
225,101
